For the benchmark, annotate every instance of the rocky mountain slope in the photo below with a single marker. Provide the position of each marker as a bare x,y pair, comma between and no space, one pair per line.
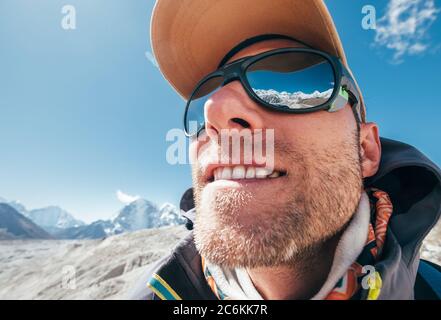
14,225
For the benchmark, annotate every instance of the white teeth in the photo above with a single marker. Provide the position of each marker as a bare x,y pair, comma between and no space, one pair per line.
240,172
251,173
226,173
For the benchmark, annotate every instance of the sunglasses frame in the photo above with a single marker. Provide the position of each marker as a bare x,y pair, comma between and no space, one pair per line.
237,70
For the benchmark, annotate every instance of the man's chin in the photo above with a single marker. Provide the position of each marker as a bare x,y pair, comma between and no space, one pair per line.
232,247
232,230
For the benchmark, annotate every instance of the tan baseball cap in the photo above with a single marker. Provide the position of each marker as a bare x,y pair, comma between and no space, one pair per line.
190,37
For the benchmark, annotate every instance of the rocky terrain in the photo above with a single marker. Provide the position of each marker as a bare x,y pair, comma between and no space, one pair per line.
81,269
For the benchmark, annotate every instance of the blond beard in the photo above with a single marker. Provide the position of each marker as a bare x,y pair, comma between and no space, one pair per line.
234,229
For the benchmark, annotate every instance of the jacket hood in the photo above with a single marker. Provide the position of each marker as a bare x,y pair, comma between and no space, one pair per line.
413,183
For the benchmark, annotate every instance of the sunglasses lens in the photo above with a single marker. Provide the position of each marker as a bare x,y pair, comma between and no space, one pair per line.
292,80
195,114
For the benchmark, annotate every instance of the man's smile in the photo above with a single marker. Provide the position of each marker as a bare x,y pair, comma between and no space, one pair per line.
242,172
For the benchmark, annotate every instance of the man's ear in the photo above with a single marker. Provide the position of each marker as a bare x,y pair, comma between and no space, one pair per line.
370,148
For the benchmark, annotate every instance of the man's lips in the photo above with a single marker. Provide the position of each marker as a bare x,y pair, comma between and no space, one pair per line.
241,172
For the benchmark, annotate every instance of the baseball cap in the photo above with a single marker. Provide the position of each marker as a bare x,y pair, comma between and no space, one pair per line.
190,37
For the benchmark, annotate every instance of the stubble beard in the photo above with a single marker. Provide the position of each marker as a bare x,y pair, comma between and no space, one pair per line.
234,228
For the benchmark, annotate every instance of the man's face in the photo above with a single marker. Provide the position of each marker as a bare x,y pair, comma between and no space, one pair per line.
271,221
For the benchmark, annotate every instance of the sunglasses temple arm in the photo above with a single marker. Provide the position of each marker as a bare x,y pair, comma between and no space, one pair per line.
349,86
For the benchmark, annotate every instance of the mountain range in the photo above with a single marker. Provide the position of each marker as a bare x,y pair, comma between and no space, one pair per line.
295,100
137,215
58,223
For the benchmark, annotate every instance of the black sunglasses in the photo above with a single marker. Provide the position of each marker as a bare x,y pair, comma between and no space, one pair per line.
290,80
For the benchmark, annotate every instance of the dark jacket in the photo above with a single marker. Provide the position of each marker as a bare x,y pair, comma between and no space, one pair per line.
413,183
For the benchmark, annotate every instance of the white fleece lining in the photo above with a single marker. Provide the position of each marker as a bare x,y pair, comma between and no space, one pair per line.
237,285
349,247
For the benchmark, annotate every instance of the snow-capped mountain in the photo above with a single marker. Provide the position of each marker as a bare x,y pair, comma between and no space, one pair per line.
170,215
143,214
296,100
137,215
54,217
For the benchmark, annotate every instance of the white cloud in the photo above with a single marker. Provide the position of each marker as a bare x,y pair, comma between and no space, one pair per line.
151,58
125,198
404,27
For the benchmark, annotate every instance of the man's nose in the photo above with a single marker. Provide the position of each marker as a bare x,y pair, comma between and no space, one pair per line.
231,108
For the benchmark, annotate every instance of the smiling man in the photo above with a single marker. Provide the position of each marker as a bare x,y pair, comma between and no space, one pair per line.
338,214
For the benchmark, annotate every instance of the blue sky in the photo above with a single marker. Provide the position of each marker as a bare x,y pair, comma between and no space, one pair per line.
84,113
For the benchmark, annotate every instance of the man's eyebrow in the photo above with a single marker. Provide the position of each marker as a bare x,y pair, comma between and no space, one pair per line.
253,40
